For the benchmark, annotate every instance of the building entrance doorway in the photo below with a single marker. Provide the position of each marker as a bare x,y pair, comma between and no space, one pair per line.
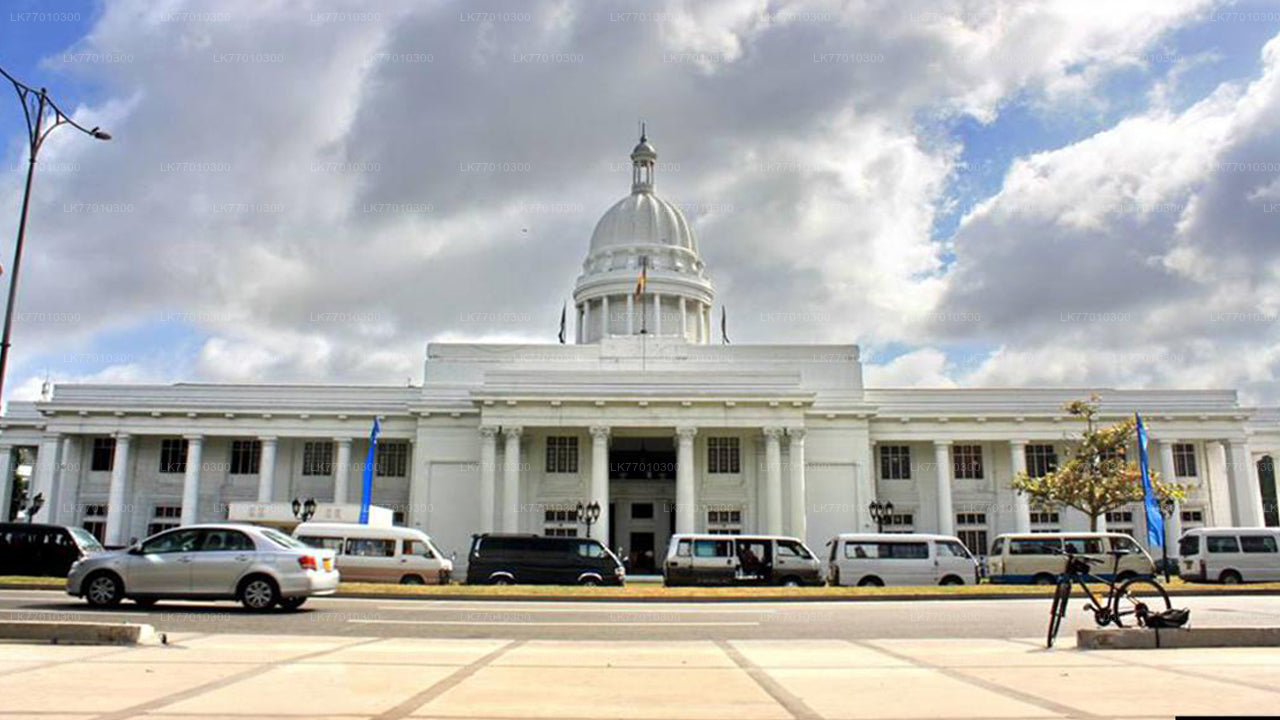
642,490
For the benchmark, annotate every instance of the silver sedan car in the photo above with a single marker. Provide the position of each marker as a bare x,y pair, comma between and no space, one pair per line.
258,566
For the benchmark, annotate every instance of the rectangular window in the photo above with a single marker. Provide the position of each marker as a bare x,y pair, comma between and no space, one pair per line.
1119,517
562,454
966,462
173,455
561,532
904,551
1041,460
104,453
900,523
711,548
895,462
723,455
724,521
1184,460
391,459
1045,521
641,511
1048,546
95,521
164,517
971,528
1221,544
317,458
245,456
1258,543
1192,518
368,547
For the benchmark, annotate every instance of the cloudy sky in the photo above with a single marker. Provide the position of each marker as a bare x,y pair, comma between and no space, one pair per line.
978,193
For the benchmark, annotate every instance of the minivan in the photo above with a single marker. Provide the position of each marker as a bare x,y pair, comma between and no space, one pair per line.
1040,557
899,559
707,559
506,559
37,550
1230,555
367,553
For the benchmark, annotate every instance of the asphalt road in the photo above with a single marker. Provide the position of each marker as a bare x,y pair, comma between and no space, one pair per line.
623,621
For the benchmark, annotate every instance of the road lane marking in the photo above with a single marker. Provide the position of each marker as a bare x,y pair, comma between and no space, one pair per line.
556,623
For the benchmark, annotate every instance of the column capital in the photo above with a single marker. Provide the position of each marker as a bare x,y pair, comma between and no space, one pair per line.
513,431
1168,441
599,432
488,431
1019,442
773,433
267,439
342,440
796,434
943,443
122,437
193,438
686,432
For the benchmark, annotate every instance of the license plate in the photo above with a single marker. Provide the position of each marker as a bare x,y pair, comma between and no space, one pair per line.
328,564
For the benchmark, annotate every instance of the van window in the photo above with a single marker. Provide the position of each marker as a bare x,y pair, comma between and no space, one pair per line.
1085,546
370,547
711,548
1221,544
684,549
1046,546
1189,545
590,549
323,543
86,539
417,547
904,550
791,548
861,550
953,549
1258,543
997,547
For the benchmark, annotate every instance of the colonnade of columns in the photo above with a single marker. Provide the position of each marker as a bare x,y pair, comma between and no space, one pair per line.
595,318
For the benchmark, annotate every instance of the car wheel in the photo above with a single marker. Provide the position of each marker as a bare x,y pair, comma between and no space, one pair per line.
589,581
103,590
951,580
1230,577
144,602
259,593
791,582
503,580
292,603
1044,579
1124,577
412,580
871,581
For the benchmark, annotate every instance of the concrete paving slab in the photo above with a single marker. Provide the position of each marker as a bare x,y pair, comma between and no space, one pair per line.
102,687
899,693
233,649
975,652
1196,656
551,653
44,652
416,651
1112,692
337,689
524,692
813,654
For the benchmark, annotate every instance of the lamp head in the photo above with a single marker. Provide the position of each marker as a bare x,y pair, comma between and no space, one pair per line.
100,134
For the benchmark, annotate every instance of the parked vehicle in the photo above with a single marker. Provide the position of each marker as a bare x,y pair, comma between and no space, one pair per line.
899,559
1230,555
367,553
536,560
261,567
43,550
739,560
1039,557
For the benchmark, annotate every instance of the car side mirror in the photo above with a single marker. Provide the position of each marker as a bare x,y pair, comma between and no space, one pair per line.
135,550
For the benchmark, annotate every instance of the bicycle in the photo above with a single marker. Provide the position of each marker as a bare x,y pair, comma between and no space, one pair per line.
1138,598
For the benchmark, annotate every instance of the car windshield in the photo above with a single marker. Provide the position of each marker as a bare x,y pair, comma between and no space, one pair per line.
86,539
283,540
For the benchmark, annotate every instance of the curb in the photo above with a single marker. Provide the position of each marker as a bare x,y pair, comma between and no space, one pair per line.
1144,639
79,633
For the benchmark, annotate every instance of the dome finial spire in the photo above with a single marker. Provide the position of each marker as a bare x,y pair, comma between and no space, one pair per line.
643,137
643,160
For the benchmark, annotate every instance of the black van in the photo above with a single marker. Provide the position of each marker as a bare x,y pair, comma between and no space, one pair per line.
43,550
537,560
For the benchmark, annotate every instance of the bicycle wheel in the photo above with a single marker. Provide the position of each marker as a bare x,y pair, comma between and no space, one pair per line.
1059,609
1134,600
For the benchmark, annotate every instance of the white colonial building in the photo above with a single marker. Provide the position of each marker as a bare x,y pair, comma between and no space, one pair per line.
667,431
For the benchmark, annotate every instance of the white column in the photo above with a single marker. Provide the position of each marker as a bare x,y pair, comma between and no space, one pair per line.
1244,485
631,314
45,481
68,480
773,480
1219,486
799,510
684,319
1168,473
488,476
600,481
578,325
604,316
267,470
511,479
342,471
657,314
1021,504
6,481
686,500
586,321
191,481
116,494
946,517
706,323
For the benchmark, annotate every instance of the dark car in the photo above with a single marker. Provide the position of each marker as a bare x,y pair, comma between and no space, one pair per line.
43,550
537,560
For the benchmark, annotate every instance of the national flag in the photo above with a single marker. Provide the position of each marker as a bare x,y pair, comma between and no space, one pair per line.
643,280
563,309
366,495
1155,520
724,327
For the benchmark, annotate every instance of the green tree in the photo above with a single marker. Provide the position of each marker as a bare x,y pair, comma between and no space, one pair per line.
1098,477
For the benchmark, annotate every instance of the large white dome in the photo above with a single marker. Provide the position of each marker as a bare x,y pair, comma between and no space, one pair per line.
643,218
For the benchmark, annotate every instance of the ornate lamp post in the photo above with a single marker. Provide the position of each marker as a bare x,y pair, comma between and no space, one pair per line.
880,511
34,506
588,515
1167,507
35,105
304,510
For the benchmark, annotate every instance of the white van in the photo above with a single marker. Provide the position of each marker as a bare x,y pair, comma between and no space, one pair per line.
1230,555
1039,557
899,559
380,554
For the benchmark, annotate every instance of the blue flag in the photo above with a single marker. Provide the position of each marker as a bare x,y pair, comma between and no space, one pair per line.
366,494
1155,521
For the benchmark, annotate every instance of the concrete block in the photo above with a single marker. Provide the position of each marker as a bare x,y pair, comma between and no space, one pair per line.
1144,639
79,633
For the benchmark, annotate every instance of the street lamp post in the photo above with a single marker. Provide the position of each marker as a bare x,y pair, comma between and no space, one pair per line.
1167,507
588,515
34,506
36,104
880,511
304,510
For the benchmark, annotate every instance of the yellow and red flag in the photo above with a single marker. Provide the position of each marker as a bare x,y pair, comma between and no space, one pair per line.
644,276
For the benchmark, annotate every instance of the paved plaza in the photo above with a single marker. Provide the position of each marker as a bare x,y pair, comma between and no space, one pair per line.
207,676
